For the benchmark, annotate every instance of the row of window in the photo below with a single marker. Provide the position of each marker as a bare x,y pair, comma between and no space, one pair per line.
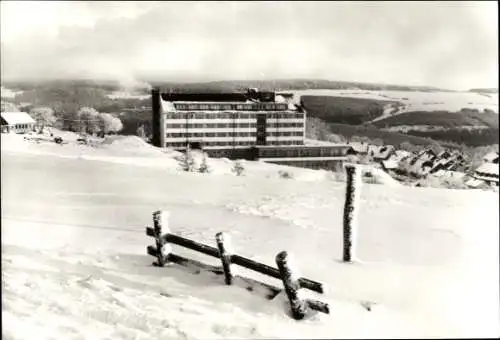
230,115
23,126
245,107
303,152
231,134
235,143
230,125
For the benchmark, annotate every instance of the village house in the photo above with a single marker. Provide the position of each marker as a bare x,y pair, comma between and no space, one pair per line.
392,162
17,122
488,173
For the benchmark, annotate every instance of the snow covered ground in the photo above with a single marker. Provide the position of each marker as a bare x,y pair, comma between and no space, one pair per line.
74,264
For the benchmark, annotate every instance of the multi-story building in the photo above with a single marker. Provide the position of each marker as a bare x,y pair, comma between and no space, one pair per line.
252,125
227,120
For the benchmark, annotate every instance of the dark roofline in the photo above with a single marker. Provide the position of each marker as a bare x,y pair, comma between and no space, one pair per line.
205,97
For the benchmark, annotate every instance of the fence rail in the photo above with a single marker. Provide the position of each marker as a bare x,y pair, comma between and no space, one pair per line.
291,281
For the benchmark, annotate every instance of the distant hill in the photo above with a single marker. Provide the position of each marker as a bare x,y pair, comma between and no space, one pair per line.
446,119
286,84
484,90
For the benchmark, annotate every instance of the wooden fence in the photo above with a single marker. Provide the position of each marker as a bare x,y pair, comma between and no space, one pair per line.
285,272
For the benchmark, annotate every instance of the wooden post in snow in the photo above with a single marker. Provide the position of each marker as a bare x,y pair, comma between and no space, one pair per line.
160,229
225,252
291,283
351,204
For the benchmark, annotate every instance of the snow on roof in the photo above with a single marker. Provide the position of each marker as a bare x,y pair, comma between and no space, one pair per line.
167,106
402,153
359,147
449,174
17,118
390,164
280,99
474,182
380,151
490,157
488,168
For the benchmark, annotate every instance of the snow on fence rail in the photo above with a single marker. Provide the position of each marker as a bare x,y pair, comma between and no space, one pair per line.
286,271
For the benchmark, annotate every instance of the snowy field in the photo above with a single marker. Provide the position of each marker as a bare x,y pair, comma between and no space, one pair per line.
415,100
75,264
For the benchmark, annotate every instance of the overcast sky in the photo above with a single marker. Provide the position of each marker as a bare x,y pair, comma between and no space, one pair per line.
446,44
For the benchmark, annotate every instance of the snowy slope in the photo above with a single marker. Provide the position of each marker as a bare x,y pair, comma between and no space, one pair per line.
414,100
74,261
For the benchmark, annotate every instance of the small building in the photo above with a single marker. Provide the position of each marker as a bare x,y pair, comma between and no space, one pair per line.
17,122
488,172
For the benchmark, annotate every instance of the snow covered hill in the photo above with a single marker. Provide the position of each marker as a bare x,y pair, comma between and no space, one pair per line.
414,100
75,264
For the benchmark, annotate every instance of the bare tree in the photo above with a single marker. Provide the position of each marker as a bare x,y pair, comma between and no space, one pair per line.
44,116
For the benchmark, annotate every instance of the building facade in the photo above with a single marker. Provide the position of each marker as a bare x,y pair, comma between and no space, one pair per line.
226,120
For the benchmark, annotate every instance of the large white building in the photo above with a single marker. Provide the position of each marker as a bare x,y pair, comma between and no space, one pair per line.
226,120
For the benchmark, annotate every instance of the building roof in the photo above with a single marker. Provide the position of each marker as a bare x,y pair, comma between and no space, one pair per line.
474,182
402,153
490,157
390,164
205,97
448,173
17,118
380,151
490,169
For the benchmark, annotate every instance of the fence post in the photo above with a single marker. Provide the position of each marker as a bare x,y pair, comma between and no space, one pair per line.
225,252
163,249
290,280
351,204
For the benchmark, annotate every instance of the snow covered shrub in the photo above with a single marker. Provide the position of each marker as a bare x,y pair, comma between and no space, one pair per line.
338,176
368,177
187,161
285,174
444,182
44,116
238,168
204,168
